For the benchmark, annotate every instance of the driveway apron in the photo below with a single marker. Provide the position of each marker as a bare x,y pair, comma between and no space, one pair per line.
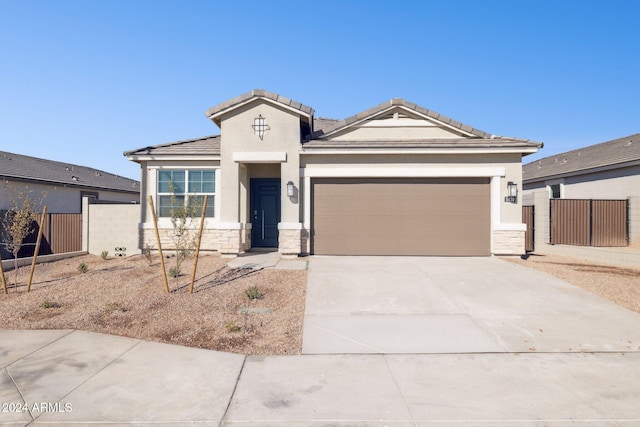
454,305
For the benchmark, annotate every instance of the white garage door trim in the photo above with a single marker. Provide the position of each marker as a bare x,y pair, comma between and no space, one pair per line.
406,172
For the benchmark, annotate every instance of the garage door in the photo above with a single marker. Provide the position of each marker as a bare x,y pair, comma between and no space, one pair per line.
417,216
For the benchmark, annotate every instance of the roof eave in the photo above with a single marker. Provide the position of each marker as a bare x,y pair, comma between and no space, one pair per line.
418,150
189,157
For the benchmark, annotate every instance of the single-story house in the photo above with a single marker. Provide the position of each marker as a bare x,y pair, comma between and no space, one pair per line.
396,179
609,170
65,184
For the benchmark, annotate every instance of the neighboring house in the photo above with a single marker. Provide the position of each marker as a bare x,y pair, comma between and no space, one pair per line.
397,179
609,170
65,184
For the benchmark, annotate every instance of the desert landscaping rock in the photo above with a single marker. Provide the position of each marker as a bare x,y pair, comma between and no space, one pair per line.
125,296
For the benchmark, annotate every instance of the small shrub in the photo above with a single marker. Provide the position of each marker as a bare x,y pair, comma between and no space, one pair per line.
146,253
104,254
83,267
232,327
254,293
174,272
49,304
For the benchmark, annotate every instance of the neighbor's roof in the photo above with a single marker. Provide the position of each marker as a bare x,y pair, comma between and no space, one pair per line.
205,146
34,169
616,153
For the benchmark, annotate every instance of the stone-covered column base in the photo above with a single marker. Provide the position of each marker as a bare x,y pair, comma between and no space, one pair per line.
232,238
290,239
509,241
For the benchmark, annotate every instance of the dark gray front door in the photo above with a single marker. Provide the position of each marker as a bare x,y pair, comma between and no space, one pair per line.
265,212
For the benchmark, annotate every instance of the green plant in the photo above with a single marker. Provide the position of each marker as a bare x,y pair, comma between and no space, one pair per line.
83,267
232,327
254,293
174,272
104,254
183,214
49,304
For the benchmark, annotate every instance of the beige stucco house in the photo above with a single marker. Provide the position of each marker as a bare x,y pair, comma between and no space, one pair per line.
608,170
397,179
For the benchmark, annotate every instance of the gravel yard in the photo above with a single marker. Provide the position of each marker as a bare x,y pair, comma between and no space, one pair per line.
618,284
125,296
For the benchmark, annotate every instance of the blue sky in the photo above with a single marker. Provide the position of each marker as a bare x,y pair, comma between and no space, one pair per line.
83,81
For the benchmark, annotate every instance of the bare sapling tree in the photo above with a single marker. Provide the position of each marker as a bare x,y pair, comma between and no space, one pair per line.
20,220
183,214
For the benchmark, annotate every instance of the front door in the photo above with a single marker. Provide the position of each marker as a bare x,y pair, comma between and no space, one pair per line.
265,212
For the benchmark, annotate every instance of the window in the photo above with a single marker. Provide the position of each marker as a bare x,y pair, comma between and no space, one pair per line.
187,186
555,191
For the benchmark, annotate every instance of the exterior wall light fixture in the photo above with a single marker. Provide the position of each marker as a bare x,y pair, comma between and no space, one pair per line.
290,188
512,193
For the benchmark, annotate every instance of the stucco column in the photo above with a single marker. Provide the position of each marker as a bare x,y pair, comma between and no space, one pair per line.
541,218
290,227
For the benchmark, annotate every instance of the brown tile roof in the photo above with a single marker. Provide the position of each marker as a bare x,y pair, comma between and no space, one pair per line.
205,146
606,154
34,169
323,123
325,127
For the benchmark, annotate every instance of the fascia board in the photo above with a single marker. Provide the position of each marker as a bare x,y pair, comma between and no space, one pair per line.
498,150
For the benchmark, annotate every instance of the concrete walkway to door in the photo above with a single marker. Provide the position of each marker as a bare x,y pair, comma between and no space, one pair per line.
455,305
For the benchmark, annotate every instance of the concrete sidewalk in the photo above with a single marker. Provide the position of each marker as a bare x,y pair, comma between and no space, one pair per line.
77,378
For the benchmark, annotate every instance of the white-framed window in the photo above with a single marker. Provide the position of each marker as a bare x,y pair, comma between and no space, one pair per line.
186,185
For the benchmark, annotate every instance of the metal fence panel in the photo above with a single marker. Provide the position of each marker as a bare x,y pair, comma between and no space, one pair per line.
528,218
609,223
570,222
66,233
586,222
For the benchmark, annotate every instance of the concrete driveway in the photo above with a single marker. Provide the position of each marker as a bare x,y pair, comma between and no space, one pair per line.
455,305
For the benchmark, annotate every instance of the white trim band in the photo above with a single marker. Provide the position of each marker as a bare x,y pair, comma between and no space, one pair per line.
403,172
260,156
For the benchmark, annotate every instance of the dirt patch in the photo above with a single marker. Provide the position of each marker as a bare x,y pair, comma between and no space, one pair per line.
125,296
618,284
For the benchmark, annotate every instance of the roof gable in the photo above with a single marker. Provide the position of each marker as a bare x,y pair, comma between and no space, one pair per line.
406,114
217,112
610,154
